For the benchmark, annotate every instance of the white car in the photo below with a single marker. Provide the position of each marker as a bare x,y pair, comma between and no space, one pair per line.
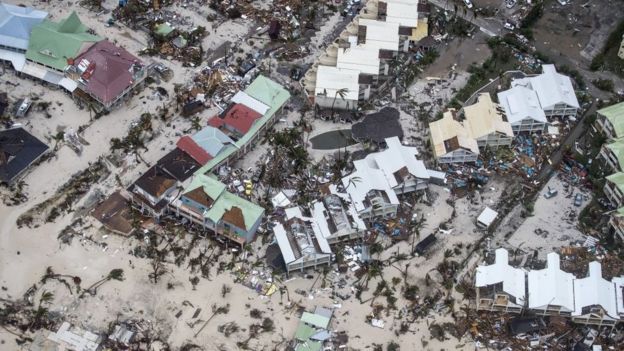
510,3
509,26
468,3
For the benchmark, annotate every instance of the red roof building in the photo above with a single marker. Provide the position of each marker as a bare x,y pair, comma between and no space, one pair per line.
238,118
106,72
188,145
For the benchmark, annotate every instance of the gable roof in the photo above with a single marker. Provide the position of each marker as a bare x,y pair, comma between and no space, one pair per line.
617,179
179,164
331,80
238,117
551,286
155,181
53,43
501,272
381,35
484,118
403,13
18,150
224,208
551,87
112,70
204,190
205,145
520,103
16,23
615,115
594,290
448,135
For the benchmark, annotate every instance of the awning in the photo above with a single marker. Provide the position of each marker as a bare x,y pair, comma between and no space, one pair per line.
49,76
34,71
17,59
68,84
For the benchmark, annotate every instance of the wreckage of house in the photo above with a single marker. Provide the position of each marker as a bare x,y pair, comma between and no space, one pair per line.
313,330
381,176
301,242
554,91
591,300
459,141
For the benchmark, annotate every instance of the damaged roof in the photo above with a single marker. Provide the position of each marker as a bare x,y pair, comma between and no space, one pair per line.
501,272
238,117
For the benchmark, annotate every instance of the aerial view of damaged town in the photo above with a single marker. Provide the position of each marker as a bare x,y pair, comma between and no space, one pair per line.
311,175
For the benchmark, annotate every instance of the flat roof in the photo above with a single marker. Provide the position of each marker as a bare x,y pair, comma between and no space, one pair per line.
381,35
330,80
404,14
360,58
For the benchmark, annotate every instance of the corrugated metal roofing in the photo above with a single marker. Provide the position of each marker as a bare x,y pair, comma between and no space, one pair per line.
18,150
16,23
238,117
615,115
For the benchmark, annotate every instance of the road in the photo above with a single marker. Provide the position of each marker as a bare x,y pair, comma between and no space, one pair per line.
490,26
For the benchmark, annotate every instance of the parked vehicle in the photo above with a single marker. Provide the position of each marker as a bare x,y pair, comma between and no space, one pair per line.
468,3
550,193
578,200
509,26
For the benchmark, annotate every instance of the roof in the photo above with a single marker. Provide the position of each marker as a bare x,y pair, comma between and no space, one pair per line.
615,115
378,126
18,150
178,164
551,286
403,13
204,145
448,134
115,214
331,80
243,98
360,58
501,272
281,236
225,208
155,181
421,31
552,88
16,23
108,70
617,148
594,290
210,187
53,43
164,29
617,179
484,118
315,320
381,35
487,216
237,117
521,103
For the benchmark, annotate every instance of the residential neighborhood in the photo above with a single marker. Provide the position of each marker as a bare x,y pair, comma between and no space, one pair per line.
375,175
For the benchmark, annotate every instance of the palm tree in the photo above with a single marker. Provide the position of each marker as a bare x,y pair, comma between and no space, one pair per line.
115,274
353,181
342,93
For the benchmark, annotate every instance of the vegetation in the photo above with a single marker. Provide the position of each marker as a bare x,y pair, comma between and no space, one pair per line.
531,19
607,59
603,84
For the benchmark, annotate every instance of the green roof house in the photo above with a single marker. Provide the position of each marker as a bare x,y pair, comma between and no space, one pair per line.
614,188
163,30
205,201
313,330
52,44
613,154
610,121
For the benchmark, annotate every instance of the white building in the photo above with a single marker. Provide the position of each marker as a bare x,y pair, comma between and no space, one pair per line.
379,177
380,35
551,290
500,287
554,91
522,109
337,88
595,299
337,218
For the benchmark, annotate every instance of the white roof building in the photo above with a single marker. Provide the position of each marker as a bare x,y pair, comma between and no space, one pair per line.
595,290
360,58
381,35
521,103
619,294
378,171
487,217
403,13
501,272
243,98
552,88
551,286
329,80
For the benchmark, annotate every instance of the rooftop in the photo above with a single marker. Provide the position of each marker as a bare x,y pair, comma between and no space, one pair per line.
155,181
205,145
178,164
404,14
448,134
520,103
330,81
617,179
53,43
359,58
594,290
107,70
484,118
381,35
300,238
501,272
18,150
551,286
551,87
237,117
16,23
617,148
